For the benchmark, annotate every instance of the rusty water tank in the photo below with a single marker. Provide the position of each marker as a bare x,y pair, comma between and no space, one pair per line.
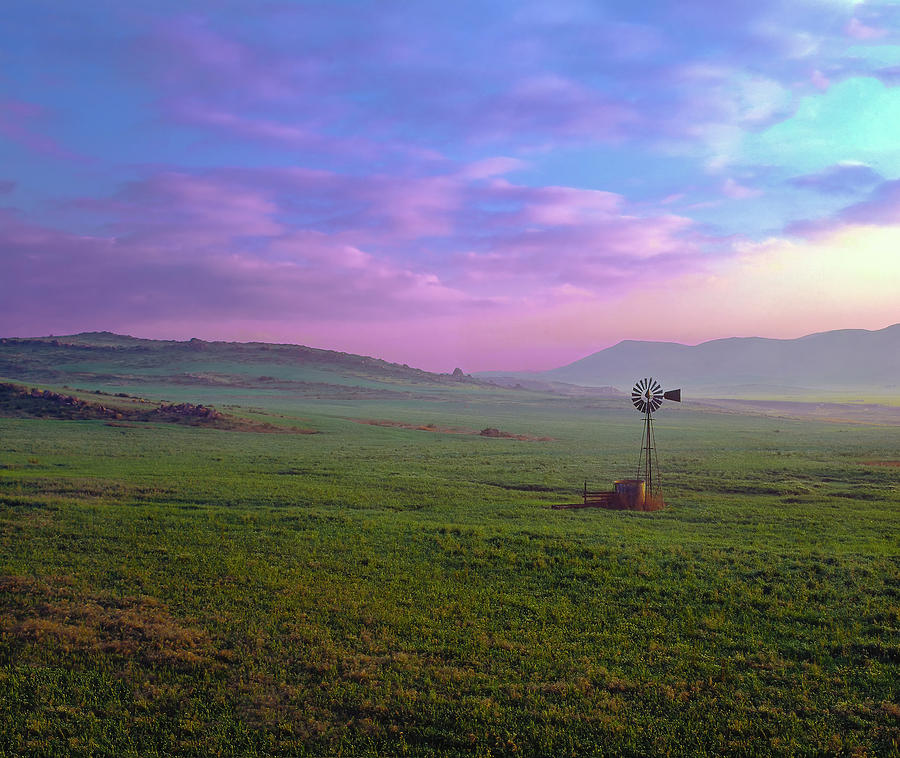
630,492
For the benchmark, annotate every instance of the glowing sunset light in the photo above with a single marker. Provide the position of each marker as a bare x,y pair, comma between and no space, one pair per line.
400,182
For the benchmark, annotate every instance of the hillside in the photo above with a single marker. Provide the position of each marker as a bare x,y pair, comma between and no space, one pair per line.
103,359
844,360
17,401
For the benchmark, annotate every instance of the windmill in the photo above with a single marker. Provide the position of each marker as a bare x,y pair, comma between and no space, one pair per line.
647,395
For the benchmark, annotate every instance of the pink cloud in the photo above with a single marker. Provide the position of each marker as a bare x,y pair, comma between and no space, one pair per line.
565,206
186,54
555,104
819,80
858,30
301,134
613,253
266,129
411,208
175,210
490,167
23,122
302,244
57,279
737,191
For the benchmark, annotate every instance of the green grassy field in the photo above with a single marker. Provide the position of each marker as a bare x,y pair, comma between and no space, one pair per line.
369,590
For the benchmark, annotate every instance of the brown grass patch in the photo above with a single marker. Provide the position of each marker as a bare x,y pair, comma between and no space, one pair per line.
488,432
417,427
50,611
650,503
235,424
881,463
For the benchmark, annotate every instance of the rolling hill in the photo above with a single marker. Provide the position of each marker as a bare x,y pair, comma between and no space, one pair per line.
106,360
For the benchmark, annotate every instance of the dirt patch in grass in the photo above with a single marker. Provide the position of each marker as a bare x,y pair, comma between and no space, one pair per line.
51,612
236,424
882,463
418,427
500,434
487,432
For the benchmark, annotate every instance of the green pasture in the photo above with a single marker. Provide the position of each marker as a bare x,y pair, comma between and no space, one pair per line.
371,590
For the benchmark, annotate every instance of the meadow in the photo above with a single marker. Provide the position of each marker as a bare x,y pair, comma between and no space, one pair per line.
382,590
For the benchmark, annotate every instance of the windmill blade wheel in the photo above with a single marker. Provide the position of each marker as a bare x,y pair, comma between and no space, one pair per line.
647,395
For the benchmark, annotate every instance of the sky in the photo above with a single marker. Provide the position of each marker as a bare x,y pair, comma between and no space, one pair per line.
489,185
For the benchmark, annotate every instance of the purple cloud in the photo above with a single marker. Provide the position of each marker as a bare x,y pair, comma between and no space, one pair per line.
881,208
185,54
551,104
604,255
300,244
889,76
384,84
264,129
305,96
57,277
23,123
858,30
841,178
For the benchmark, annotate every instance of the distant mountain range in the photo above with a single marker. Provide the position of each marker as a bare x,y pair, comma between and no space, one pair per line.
848,360
842,360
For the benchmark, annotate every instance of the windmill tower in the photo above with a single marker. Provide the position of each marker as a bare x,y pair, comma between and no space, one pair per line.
647,395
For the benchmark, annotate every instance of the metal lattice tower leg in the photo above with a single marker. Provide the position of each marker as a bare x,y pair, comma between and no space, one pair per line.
648,463
655,487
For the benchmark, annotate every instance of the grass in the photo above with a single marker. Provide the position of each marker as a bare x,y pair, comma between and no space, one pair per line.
374,590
